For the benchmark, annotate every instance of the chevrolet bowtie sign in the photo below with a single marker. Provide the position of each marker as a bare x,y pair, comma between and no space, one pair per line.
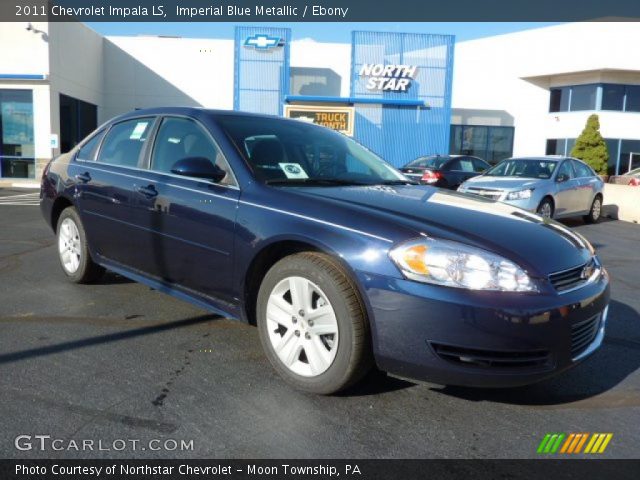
388,78
262,42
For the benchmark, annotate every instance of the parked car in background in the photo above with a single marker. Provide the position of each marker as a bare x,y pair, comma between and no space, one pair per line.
340,261
632,178
554,187
447,171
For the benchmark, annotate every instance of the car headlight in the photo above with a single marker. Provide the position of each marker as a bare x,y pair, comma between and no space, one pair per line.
453,264
520,194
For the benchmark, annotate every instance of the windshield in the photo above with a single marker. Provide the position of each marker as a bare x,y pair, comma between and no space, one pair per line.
427,162
287,152
529,168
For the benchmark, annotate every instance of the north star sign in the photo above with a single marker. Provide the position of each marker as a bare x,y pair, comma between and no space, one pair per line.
389,78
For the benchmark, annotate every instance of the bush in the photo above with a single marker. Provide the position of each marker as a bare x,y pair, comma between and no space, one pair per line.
591,148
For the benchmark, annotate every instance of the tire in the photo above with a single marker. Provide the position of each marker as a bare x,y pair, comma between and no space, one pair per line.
292,338
595,212
73,252
545,209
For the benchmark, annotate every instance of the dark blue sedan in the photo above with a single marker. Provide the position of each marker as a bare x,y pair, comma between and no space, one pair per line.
338,258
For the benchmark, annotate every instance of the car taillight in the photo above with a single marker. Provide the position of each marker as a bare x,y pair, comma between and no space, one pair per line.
634,182
431,177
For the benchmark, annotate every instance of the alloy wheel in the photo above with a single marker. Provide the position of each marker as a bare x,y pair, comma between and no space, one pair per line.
545,210
69,246
302,326
596,209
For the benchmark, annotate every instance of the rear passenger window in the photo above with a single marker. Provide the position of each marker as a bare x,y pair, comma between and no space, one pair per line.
462,165
582,170
88,150
124,141
478,166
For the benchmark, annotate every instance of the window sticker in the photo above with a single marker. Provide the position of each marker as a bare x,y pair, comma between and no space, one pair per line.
293,170
138,131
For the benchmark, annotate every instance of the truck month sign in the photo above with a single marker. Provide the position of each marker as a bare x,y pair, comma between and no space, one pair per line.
336,118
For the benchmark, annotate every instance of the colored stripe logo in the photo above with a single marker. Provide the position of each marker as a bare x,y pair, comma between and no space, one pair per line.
574,443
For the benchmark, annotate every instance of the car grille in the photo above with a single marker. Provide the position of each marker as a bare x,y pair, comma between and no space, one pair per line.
574,277
492,358
583,333
483,192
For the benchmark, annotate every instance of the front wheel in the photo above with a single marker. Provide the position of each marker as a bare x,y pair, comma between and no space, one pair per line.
545,209
72,249
595,212
312,324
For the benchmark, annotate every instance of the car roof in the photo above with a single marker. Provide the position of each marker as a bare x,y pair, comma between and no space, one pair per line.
192,111
543,158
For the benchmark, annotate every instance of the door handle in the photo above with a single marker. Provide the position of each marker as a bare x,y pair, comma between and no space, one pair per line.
149,191
83,177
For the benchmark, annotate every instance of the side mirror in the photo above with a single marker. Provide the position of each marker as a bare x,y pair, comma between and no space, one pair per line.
562,178
198,167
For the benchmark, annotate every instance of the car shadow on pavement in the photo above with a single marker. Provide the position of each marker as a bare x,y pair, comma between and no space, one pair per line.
102,339
376,382
617,358
111,278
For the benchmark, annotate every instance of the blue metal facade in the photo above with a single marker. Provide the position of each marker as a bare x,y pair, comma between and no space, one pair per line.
399,133
261,69
399,126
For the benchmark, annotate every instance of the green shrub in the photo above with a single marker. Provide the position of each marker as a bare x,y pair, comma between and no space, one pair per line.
591,148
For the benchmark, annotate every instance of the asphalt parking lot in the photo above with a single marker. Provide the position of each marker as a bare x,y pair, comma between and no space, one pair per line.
119,361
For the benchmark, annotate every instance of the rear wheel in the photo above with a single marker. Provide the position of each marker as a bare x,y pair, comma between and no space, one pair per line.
312,324
595,212
545,209
72,249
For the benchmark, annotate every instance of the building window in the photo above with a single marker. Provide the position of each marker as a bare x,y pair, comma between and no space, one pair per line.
559,99
583,97
632,103
629,156
77,120
17,149
489,143
624,155
613,97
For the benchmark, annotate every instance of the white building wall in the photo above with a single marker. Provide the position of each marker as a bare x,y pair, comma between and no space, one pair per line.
144,72
506,78
335,56
26,52
75,58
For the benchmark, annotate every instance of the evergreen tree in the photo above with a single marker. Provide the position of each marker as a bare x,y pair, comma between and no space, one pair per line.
591,148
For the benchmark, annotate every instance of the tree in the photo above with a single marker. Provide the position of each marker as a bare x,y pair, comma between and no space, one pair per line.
591,148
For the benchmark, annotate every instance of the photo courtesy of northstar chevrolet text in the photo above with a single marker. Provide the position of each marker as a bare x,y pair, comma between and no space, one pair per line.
272,232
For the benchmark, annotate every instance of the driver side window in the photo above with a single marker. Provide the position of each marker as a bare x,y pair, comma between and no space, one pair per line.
180,138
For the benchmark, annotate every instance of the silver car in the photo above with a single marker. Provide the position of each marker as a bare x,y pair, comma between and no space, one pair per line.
552,186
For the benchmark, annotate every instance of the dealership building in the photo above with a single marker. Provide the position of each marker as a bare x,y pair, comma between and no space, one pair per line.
401,94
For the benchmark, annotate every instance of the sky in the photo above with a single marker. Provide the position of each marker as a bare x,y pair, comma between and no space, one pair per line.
322,32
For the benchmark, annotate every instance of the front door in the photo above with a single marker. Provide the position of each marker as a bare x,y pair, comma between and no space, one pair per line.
191,221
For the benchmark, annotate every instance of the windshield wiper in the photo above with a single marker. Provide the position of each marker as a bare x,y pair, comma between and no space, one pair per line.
296,182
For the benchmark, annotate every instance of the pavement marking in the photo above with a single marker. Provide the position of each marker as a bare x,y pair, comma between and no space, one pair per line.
21,199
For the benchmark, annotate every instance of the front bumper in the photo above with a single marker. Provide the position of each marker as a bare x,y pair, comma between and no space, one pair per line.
484,339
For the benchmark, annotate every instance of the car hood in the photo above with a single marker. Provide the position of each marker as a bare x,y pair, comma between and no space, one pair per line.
541,246
504,183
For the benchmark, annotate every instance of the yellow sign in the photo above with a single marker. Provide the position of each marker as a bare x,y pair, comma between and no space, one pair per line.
335,118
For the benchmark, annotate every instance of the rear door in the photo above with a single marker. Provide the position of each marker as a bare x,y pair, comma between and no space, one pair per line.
587,186
566,198
190,222
105,182
460,170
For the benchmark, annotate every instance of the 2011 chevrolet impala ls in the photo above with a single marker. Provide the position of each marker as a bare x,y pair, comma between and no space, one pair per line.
338,258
